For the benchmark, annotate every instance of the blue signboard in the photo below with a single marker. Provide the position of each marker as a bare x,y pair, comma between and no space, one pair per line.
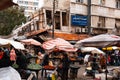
78,20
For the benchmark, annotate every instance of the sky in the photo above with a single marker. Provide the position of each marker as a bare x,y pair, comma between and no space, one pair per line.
15,1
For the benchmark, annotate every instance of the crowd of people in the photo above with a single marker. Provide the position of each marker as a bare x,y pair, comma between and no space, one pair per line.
97,62
11,56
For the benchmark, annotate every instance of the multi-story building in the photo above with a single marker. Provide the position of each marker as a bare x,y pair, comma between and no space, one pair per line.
30,6
80,16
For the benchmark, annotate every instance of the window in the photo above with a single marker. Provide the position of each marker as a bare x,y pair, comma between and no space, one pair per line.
117,3
35,3
117,23
80,1
102,2
49,17
64,19
26,2
101,22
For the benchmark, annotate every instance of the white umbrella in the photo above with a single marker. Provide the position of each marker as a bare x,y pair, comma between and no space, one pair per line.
102,40
31,42
92,50
15,44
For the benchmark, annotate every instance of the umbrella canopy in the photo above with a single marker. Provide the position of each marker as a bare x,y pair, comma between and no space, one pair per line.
92,50
15,44
102,40
60,44
31,42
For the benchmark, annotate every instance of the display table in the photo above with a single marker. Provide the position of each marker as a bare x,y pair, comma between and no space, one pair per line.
76,60
102,76
34,67
47,68
115,72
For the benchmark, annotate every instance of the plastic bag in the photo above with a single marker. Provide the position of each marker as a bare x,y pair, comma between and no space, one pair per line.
9,73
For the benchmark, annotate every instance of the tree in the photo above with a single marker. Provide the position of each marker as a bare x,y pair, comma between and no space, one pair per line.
9,18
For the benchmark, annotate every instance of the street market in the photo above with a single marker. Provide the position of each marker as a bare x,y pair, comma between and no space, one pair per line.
45,65
59,40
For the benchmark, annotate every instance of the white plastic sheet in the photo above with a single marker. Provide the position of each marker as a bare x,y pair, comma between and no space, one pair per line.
15,44
9,73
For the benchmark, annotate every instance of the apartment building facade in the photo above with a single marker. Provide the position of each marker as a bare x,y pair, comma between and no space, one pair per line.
71,16
30,6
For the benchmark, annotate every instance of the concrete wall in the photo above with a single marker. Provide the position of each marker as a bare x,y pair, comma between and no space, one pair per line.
108,3
107,10
61,4
110,23
117,13
94,21
102,11
74,1
78,9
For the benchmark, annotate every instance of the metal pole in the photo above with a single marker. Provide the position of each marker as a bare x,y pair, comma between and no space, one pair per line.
89,17
106,64
53,19
106,70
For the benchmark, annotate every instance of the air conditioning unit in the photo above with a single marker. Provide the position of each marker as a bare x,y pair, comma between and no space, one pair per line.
77,30
83,29
99,24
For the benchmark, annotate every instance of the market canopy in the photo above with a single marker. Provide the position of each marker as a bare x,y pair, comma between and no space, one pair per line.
31,42
102,40
15,44
111,48
60,44
93,50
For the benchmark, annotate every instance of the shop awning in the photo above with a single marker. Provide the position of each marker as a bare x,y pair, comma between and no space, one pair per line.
69,36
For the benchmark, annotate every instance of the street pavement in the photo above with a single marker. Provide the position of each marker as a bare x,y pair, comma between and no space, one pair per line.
80,74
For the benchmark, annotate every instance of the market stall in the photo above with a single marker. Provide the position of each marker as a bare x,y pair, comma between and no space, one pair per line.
101,41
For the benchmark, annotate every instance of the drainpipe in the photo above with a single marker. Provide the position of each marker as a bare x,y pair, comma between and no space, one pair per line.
89,17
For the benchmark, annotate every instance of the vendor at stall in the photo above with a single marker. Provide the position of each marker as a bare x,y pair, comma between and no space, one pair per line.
64,66
22,61
5,59
45,61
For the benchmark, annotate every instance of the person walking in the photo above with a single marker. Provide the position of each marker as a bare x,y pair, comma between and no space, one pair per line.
64,66
45,61
102,62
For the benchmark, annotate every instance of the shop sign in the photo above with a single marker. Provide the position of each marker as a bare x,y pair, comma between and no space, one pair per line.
78,20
